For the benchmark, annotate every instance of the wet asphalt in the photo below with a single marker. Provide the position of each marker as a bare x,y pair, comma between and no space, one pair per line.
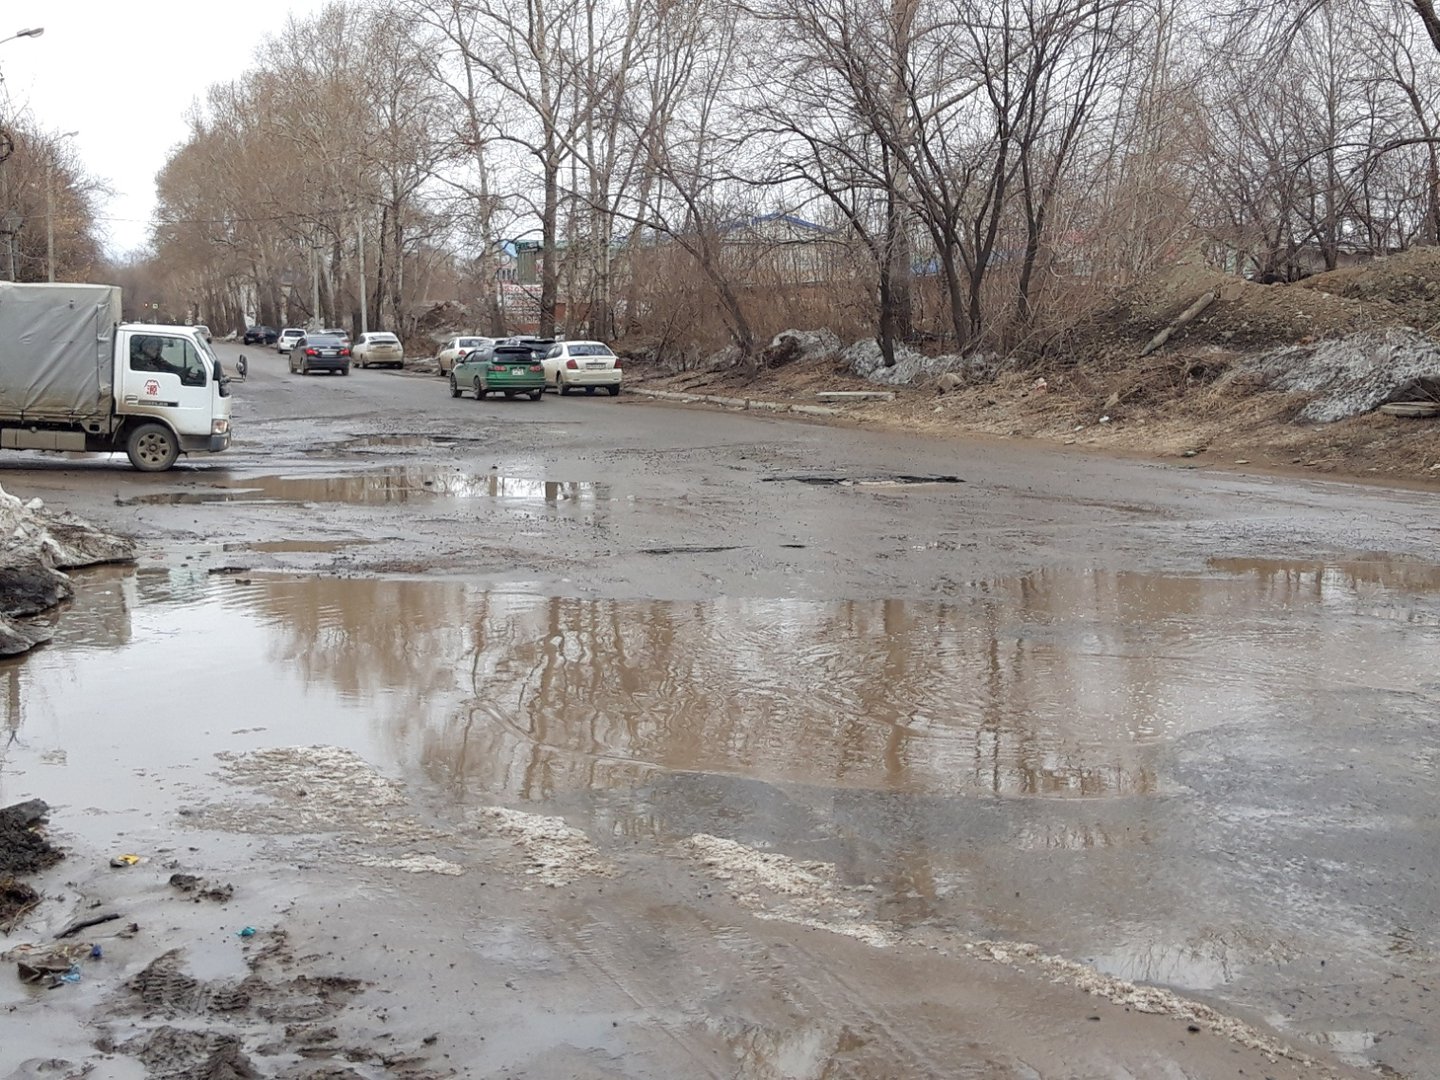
1177,725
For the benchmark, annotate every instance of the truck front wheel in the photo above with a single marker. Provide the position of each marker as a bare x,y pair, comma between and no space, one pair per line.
152,448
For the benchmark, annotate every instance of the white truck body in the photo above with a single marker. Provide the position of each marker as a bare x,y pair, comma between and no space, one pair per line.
73,377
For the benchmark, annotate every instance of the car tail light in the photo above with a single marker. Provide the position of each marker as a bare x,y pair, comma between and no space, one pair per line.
537,367
617,361
344,352
312,352
497,367
571,365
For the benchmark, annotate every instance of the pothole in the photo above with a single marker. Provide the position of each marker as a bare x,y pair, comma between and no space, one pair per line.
898,480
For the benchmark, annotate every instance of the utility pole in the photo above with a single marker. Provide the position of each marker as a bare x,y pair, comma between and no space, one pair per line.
315,320
50,205
10,225
360,251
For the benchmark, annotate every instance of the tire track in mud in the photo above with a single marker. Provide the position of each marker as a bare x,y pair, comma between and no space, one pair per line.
896,1044
786,984
594,947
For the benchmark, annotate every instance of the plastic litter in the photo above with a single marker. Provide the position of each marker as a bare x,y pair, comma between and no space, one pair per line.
125,860
71,976
249,931
97,953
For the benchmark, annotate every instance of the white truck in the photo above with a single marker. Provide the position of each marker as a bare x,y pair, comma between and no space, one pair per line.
74,377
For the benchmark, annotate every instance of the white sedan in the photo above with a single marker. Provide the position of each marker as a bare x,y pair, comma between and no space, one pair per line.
287,339
455,348
572,365
379,348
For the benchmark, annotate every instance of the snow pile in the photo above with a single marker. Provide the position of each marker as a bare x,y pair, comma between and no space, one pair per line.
1352,374
791,345
865,359
34,545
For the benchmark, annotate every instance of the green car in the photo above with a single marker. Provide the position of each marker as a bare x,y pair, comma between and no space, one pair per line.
507,369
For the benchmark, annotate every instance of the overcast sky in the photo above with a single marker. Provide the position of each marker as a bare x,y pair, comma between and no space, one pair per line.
124,74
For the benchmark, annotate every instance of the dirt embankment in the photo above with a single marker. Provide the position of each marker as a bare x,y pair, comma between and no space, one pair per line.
1264,376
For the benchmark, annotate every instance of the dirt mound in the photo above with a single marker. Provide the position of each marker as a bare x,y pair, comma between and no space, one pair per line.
1244,317
23,848
1409,282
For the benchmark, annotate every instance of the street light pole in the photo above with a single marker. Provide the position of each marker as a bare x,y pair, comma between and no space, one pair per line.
50,206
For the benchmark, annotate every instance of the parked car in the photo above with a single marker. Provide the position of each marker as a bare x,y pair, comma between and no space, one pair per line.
379,347
573,365
261,335
320,352
287,339
508,369
457,347
205,332
540,346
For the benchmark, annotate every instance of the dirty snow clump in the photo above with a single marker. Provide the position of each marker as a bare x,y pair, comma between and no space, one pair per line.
781,889
414,864
1351,374
865,359
555,853
35,545
791,345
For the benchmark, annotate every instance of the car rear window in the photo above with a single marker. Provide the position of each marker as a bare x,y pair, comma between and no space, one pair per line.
292,332
590,350
384,339
469,342
511,352
324,339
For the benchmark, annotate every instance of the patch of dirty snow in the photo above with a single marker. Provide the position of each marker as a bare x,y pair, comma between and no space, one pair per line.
314,789
414,864
751,870
777,887
64,541
790,345
331,780
555,853
1352,374
865,359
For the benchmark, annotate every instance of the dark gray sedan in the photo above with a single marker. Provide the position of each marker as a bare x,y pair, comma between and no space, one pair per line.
320,352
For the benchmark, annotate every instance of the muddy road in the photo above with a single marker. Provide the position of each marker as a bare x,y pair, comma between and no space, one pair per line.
598,738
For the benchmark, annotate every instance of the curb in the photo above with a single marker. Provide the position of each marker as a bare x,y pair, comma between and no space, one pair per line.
751,404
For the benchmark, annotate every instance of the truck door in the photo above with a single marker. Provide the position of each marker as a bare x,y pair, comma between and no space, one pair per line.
164,375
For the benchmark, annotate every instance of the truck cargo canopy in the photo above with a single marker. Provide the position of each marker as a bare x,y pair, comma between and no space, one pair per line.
55,350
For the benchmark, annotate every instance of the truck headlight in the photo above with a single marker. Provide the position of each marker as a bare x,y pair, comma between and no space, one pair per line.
219,427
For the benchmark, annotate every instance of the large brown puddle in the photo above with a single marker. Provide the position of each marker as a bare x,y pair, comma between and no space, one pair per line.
1202,780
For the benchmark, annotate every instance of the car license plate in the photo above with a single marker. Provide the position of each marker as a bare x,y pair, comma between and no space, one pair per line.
594,364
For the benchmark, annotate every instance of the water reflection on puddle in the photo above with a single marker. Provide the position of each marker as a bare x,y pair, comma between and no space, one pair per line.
1055,685
392,484
1146,747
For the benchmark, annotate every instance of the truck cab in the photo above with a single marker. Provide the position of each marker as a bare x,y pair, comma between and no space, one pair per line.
169,384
